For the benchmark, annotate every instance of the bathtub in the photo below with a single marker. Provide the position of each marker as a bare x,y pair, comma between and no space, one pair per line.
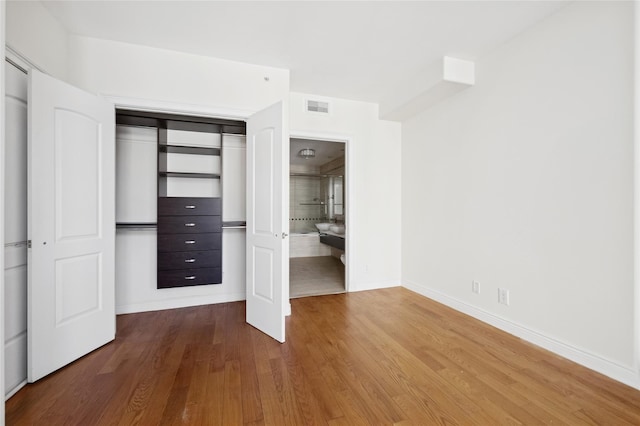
307,245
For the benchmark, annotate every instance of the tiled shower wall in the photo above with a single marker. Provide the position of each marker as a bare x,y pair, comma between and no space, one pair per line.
306,203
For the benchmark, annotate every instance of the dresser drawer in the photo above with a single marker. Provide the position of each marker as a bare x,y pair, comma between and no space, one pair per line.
189,242
189,224
188,206
189,259
189,277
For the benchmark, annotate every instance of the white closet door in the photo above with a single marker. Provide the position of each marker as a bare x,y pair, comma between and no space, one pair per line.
15,230
267,221
71,224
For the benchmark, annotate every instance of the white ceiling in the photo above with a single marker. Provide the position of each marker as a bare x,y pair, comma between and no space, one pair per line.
356,50
325,152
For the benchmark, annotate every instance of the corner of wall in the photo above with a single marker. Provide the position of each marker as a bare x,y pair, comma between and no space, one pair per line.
2,157
609,368
38,37
636,186
479,175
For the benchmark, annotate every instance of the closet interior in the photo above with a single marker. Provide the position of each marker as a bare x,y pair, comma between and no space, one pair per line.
184,167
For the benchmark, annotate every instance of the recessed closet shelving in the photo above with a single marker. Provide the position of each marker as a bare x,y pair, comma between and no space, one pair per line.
189,195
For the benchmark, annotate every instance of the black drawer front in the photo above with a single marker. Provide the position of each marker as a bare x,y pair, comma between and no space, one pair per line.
189,224
189,277
184,206
189,242
189,259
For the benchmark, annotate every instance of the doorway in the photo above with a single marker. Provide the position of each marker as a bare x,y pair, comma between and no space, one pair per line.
317,217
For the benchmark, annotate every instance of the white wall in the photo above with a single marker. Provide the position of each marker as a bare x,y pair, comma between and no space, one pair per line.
37,36
2,157
525,182
145,73
157,78
373,175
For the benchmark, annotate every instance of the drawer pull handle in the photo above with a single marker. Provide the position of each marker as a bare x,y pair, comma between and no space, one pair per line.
190,242
190,277
189,261
190,225
190,207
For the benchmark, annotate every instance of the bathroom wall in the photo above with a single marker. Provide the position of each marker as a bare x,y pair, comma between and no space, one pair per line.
306,203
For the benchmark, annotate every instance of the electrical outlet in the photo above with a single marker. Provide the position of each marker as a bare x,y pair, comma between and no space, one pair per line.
503,296
475,287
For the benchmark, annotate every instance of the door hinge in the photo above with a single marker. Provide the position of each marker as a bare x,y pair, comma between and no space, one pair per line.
28,243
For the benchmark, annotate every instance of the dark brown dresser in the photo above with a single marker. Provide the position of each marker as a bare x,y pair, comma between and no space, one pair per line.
189,241
189,204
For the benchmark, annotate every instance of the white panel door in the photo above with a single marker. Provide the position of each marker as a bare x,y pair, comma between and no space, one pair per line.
15,229
267,220
71,223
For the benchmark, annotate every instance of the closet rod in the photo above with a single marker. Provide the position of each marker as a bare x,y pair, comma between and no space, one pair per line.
16,244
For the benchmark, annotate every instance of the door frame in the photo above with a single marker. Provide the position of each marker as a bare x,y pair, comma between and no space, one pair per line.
350,199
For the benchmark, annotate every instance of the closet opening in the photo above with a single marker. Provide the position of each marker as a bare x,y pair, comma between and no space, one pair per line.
182,178
317,213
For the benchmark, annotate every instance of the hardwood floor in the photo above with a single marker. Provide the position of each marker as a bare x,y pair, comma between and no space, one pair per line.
378,357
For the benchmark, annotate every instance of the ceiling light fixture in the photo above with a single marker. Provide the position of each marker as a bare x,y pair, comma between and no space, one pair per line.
307,153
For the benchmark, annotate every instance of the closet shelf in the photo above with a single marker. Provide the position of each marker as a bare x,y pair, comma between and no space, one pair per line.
180,149
123,225
234,224
190,175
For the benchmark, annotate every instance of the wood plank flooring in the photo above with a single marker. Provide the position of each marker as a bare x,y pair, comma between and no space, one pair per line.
379,357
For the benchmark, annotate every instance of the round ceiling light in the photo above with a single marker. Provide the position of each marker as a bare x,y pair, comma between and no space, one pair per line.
307,153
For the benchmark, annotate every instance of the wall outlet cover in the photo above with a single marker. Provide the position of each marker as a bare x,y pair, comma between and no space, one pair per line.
503,296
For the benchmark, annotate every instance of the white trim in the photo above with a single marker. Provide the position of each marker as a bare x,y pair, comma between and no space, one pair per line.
376,285
195,110
179,302
2,159
15,390
350,206
636,190
604,366
21,60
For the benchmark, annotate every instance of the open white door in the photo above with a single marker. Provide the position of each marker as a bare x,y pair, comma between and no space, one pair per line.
71,224
267,220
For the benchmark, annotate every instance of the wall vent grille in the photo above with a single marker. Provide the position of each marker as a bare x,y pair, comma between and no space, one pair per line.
317,106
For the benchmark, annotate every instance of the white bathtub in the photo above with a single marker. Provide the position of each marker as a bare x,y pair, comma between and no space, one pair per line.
307,245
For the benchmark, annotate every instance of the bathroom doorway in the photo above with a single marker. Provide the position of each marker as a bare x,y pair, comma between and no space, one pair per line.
317,217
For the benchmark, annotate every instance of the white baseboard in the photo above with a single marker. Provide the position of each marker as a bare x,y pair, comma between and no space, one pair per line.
158,305
374,286
610,369
15,390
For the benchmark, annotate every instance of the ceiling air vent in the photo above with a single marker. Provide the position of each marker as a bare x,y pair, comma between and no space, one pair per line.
317,106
